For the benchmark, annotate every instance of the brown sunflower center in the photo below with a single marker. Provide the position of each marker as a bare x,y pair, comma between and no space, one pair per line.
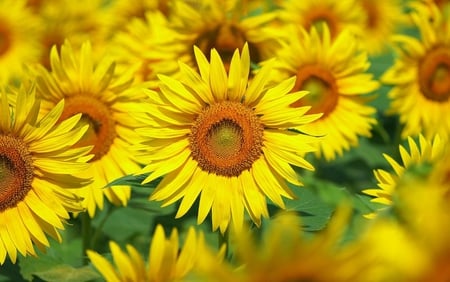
16,171
226,39
323,92
226,139
101,132
5,38
434,75
319,16
372,13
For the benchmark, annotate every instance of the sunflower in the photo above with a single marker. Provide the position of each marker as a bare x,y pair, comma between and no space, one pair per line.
19,42
213,134
426,214
442,5
225,26
104,99
336,15
421,76
335,74
138,47
285,254
123,11
416,162
76,21
166,261
36,172
382,19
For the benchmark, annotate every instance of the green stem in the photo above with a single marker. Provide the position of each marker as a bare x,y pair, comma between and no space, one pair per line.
86,230
99,228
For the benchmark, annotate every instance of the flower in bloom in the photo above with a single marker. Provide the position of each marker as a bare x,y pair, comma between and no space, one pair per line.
285,254
77,22
37,165
104,99
223,25
146,46
413,162
214,136
335,15
19,30
166,261
382,19
421,76
334,72
123,11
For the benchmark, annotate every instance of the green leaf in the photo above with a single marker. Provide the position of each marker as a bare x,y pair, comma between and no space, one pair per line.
134,181
67,273
315,213
29,266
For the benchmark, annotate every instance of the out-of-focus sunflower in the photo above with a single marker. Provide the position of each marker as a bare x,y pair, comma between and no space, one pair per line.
225,26
335,74
139,47
123,11
76,21
166,261
215,136
425,213
285,254
442,5
336,15
420,76
382,19
417,161
37,165
104,99
19,41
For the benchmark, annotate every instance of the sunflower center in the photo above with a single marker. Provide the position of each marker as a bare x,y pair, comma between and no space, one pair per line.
372,13
434,75
226,139
16,171
101,132
225,39
318,17
5,38
323,92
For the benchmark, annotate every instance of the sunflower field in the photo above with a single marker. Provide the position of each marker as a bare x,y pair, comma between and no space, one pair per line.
225,140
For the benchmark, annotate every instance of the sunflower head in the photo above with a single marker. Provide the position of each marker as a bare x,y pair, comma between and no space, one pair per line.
103,96
416,164
334,72
421,75
37,165
166,261
213,134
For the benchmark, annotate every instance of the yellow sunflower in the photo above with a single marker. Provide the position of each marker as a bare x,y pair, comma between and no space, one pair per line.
138,47
124,11
215,136
442,5
414,162
335,74
336,15
104,99
166,261
284,254
76,21
225,26
36,170
382,19
421,77
19,42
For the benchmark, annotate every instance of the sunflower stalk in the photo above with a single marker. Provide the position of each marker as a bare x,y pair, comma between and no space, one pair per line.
86,231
